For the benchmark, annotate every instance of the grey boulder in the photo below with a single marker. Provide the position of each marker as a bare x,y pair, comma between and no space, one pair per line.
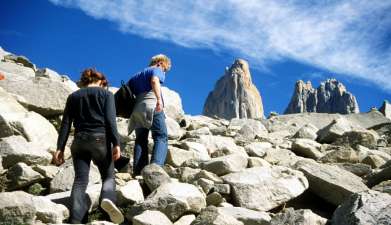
298,217
174,200
368,207
63,180
21,175
331,183
264,188
212,216
154,176
16,149
226,164
151,217
22,208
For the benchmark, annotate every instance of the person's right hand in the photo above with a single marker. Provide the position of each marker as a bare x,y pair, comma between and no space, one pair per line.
58,158
116,152
159,105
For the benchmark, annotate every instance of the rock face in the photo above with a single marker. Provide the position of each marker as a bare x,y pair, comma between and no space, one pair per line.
330,97
43,91
234,95
370,207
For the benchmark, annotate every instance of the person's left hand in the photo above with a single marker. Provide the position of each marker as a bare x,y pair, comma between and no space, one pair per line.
58,158
159,105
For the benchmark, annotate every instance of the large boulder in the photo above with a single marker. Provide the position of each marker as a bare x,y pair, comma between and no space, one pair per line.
45,95
172,104
16,149
8,105
214,143
330,97
212,216
246,129
264,188
154,176
298,217
307,131
216,126
307,148
21,175
384,187
173,199
335,130
331,183
199,149
369,207
173,129
9,68
246,216
130,193
63,180
380,176
225,164
185,220
257,149
358,137
19,60
32,126
151,217
22,208
176,156
64,198
340,155
281,157
234,95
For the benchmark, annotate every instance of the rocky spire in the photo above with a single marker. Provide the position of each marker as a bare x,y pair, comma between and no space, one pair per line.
330,97
234,95
386,109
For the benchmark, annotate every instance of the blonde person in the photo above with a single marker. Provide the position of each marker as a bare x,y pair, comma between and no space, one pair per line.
92,112
148,114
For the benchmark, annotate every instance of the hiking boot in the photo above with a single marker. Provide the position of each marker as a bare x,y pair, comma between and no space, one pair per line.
112,210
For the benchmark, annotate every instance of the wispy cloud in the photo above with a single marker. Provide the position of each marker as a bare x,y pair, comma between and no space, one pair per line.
349,37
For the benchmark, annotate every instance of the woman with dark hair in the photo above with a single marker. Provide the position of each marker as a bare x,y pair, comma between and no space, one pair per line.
91,110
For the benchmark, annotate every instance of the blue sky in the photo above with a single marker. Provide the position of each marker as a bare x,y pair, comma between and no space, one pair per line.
283,41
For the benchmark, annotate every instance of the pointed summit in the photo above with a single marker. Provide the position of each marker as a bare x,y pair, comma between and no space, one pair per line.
234,95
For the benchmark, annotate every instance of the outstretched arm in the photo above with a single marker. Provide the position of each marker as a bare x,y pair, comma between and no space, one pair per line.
66,123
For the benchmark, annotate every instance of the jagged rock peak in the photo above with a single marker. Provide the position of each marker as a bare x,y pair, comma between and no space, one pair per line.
386,109
234,95
330,97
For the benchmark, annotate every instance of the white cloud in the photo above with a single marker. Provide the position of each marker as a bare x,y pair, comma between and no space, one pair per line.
348,37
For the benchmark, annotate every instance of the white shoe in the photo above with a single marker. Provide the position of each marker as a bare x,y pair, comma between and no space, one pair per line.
113,211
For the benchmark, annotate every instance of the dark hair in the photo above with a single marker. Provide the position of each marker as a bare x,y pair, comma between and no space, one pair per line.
91,75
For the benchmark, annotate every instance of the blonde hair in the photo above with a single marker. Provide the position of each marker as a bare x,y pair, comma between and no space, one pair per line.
160,58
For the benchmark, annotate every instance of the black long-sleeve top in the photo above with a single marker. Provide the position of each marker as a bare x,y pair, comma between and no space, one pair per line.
91,110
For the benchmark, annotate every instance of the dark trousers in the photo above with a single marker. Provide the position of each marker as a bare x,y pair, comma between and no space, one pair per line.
159,136
87,147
